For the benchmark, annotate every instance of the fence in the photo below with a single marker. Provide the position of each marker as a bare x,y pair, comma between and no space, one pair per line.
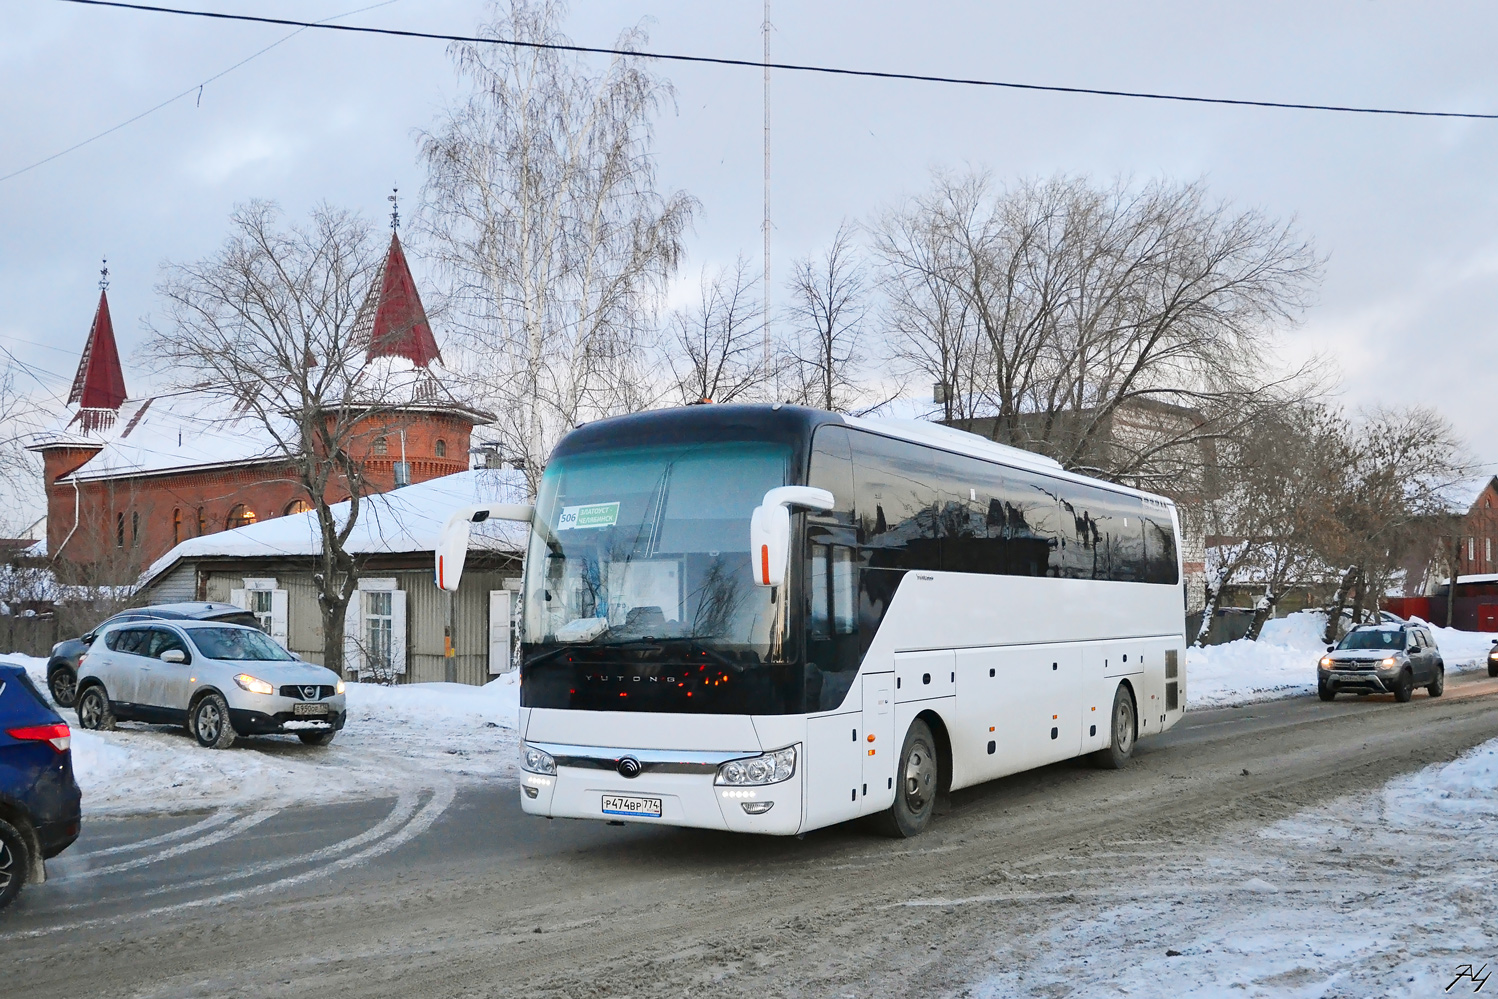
32,636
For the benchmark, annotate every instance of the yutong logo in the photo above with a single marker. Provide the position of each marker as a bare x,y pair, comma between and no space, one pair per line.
617,678
629,768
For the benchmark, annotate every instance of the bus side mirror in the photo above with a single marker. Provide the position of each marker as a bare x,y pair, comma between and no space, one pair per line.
770,529
452,543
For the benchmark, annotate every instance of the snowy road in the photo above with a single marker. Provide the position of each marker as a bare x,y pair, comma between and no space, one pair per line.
448,890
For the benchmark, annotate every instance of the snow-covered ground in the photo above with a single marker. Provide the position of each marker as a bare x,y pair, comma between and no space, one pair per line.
395,738
1382,894
1282,663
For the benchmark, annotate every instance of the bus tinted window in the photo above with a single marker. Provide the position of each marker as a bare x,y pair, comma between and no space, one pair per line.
923,508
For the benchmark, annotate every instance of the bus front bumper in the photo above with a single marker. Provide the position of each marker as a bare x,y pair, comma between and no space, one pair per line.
690,800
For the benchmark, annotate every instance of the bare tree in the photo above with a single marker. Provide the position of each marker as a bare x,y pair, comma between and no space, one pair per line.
714,347
270,324
828,308
541,202
1094,307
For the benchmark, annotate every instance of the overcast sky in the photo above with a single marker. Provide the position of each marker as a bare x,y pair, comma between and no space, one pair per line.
1403,208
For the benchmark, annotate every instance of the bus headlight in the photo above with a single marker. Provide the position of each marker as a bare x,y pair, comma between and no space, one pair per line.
535,761
767,768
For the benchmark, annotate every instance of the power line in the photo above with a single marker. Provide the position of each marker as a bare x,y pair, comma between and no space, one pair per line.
196,88
790,67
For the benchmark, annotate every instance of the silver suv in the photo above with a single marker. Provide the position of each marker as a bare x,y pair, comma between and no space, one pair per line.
1382,658
219,680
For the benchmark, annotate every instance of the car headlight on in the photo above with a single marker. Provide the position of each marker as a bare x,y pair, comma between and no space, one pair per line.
338,687
1326,662
1391,661
767,768
536,761
253,684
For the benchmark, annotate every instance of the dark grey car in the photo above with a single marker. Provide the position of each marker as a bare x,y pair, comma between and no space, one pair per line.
1382,659
62,668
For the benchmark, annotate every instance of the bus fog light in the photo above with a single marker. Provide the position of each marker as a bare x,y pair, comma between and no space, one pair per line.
758,807
530,792
767,768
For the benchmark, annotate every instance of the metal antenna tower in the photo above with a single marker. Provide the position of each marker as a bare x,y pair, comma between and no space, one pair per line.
765,31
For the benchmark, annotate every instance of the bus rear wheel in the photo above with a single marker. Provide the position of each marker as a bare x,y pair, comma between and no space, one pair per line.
1121,745
917,779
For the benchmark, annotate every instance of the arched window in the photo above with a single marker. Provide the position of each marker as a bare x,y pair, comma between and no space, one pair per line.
380,445
298,505
134,528
441,448
119,530
239,516
177,526
202,523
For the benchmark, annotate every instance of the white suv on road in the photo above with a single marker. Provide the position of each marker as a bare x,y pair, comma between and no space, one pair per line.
219,680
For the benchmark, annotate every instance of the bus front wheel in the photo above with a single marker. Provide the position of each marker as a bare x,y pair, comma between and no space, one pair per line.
1121,745
917,779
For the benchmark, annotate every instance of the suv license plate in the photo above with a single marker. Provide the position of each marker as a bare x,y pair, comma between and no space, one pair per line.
309,709
615,804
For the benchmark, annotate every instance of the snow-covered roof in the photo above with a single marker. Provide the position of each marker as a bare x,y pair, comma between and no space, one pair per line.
1481,577
404,520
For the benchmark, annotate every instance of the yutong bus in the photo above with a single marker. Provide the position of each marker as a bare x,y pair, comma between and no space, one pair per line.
770,619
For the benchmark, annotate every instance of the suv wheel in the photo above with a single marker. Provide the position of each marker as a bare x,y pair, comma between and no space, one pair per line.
1406,688
15,861
1438,685
209,722
93,710
62,683
1325,692
316,738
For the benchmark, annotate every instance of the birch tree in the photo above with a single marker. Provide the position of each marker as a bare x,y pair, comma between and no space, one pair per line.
827,312
542,205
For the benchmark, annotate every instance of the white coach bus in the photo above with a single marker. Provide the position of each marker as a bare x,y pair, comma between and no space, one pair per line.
771,619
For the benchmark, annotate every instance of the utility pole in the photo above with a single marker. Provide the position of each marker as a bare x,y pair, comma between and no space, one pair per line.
765,31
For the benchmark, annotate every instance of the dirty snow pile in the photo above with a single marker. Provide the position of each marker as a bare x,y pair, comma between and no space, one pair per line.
1282,663
395,738
1382,894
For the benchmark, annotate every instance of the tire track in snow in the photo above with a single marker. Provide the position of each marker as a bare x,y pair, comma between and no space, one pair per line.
218,818
225,832
441,798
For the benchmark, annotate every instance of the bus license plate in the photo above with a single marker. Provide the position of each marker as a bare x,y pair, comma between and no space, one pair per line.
309,709
618,804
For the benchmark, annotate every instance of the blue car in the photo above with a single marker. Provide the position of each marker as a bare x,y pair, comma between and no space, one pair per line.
39,799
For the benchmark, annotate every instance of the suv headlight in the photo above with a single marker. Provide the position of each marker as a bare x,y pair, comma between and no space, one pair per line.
1389,663
253,684
1326,662
535,761
767,768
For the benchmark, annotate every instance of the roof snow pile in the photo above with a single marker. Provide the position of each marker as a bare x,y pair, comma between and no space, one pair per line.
404,520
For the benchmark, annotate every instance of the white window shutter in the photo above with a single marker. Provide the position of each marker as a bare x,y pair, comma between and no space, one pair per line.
398,632
353,635
499,631
238,598
278,606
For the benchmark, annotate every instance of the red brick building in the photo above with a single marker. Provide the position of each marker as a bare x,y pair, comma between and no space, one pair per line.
127,479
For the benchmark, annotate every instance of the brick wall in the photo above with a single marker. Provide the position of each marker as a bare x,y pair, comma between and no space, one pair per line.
124,524
1480,545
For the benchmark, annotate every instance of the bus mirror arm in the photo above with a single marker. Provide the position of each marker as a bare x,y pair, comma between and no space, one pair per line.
452,543
770,529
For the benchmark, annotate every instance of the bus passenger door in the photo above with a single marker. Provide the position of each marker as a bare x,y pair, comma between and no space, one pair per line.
880,748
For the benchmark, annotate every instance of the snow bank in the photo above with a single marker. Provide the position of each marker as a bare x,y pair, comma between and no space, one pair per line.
1381,894
395,738
1282,663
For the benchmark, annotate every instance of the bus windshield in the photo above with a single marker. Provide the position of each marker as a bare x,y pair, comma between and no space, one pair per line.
645,551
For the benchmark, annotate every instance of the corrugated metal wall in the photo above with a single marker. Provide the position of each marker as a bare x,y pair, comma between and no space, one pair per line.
177,587
426,614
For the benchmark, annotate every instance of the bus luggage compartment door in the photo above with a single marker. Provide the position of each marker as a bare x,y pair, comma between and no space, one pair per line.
922,675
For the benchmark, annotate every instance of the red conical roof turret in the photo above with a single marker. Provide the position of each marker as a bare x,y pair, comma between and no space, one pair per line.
100,381
400,327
